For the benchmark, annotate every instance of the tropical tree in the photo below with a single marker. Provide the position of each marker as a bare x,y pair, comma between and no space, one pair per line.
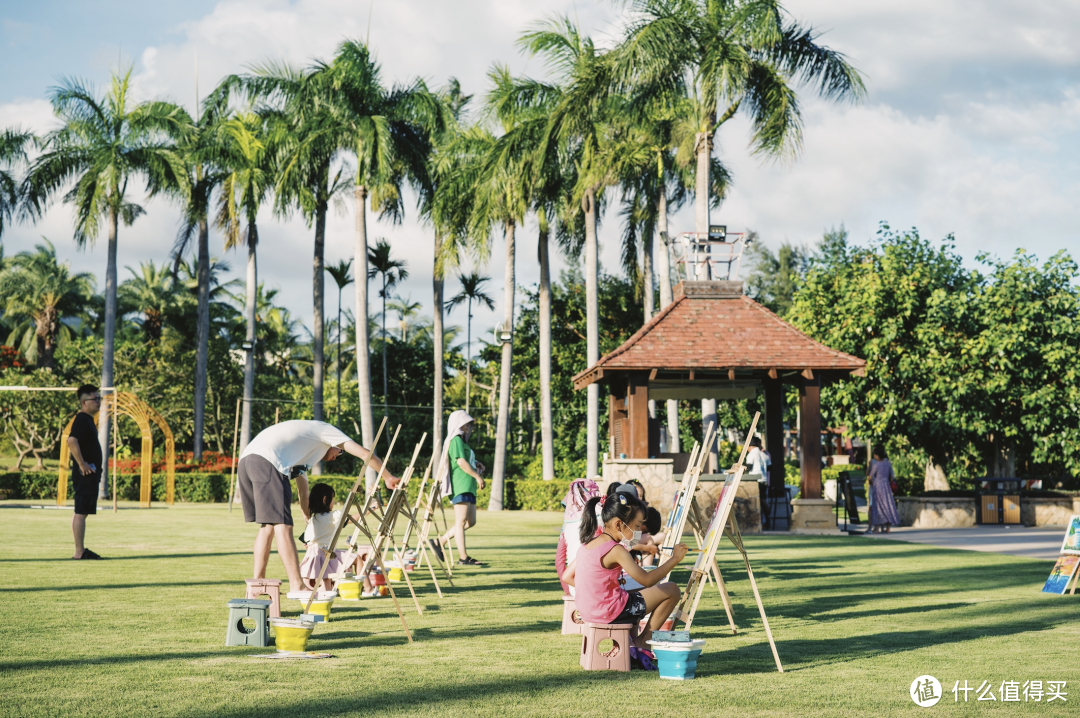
150,292
381,129
39,292
407,311
247,185
13,144
342,276
744,54
393,271
580,125
102,144
203,156
472,290
445,196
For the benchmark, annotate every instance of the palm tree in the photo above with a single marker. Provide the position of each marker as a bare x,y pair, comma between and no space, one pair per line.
472,290
738,55
13,144
102,144
150,292
581,125
393,272
406,310
203,156
342,275
299,108
247,185
37,287
444,202
381,128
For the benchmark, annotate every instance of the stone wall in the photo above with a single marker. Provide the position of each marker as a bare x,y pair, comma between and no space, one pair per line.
1046,512
935,513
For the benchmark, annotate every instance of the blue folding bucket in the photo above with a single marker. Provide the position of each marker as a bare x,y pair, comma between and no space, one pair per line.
677,660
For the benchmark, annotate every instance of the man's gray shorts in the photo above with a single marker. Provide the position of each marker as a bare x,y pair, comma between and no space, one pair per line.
265,492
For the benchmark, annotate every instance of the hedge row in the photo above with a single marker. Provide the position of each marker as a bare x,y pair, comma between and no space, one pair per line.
195,488
521,494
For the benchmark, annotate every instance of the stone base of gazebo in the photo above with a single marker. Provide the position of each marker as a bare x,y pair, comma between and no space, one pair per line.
813,516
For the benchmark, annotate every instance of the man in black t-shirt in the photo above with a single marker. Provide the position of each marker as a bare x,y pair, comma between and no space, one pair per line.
85,465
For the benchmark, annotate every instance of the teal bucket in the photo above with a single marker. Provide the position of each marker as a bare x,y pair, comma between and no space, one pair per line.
677,661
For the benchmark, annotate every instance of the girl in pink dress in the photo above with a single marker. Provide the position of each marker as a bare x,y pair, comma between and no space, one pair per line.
602,559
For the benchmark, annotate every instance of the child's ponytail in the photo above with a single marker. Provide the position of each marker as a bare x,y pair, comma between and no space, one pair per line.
588,520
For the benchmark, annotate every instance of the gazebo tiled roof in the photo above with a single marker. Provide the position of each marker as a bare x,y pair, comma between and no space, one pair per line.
713,326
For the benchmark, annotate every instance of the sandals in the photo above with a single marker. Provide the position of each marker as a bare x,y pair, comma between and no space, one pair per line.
437,548
468,561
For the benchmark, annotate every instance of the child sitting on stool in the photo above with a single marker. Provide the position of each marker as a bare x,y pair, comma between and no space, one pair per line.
601,560
319,532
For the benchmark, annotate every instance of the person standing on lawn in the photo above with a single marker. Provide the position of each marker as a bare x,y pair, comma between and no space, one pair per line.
85,465
279,453
883,506
462,475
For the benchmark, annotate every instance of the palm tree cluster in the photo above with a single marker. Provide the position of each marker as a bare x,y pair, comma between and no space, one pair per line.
630,126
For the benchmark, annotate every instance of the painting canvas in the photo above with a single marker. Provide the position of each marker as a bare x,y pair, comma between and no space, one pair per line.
719,520
1071,543
1062,574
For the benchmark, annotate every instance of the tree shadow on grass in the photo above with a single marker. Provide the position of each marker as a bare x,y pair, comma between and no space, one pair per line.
155,584
136,557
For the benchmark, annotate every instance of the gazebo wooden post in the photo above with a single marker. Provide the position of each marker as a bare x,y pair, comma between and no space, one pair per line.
810,437
636,439
774,430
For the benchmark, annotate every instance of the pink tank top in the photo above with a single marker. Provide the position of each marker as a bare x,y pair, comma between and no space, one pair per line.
599,597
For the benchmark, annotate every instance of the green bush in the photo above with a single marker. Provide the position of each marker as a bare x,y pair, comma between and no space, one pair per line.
540,495
195,488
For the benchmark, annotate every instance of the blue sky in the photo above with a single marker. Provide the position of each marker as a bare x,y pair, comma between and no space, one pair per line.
971,126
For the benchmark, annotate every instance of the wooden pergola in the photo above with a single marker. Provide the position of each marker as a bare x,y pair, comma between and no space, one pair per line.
713,342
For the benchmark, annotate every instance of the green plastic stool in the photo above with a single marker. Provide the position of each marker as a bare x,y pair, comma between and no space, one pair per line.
254,609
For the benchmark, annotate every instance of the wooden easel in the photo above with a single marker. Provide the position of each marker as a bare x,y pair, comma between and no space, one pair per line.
384,534
724,523
350,502
434,496
412,524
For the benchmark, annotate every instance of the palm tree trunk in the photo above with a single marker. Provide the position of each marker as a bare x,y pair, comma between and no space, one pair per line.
202,336
502,428
547,445
663,268
337,362
468,351
249,359
108,348
318,285
440,352
701,226
385,371
592,335
647,271
363,351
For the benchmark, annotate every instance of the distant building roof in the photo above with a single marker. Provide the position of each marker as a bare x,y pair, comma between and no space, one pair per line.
713,327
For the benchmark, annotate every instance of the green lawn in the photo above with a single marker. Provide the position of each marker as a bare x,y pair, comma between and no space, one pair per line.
855,621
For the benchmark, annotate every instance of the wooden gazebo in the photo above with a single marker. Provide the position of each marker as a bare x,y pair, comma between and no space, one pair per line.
713,342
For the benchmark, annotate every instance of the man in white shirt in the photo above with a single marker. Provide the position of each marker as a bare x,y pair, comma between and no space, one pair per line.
278,453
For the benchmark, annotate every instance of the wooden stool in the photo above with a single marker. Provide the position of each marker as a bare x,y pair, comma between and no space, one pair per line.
616,659
270,587
571,619
254,611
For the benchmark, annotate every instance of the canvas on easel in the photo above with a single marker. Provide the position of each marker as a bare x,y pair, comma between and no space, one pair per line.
723,523
677,519
1063,574
1071,543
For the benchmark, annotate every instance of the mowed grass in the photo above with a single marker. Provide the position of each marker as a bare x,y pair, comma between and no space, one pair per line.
855,620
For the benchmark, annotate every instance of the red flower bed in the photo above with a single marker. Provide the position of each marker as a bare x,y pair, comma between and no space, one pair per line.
212,462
